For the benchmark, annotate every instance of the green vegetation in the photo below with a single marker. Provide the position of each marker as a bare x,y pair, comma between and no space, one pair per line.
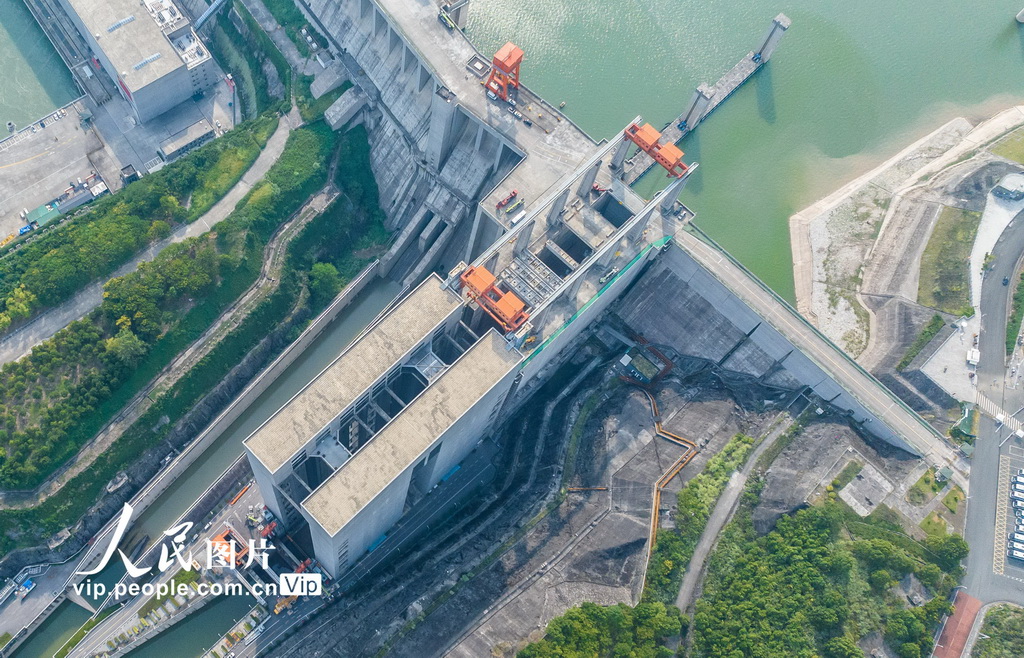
593,631
186,577
783,441
5,638
251,83
924,489
953,499
79,634
674,548
1011,147
63,260
1002,633
803,590
244,56
312,109
263,46
576,434
934,525
1016,314
945,271
927,333
292,21
846,475
168,324
966,429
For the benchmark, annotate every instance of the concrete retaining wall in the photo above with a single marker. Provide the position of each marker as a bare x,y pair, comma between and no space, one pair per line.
148,495
681,304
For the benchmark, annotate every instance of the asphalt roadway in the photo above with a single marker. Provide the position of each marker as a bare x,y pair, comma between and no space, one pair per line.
234,515
986,490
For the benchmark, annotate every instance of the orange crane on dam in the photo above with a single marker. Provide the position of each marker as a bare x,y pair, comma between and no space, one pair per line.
505,71
668,156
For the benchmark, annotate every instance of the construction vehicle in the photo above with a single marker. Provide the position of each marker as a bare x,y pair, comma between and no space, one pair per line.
507,200
597,189
445,19
284,604
515,205
505,71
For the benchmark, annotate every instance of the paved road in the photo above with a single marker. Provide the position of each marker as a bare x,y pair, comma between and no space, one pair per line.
720,515
234,515
19,343
980,581
867,390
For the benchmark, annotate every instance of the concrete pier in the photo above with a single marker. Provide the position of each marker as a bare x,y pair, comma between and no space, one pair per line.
706,99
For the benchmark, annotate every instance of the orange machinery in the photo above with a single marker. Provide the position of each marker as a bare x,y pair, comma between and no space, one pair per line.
505,307
505,70
667,155
224,543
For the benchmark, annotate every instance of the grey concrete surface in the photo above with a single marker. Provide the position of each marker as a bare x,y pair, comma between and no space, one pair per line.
36,167
854,382
19,343
136,144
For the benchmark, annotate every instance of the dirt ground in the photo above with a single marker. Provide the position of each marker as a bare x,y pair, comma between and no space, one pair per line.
814,459
603,558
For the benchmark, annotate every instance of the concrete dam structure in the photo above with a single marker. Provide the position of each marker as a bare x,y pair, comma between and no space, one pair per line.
438,142
552,237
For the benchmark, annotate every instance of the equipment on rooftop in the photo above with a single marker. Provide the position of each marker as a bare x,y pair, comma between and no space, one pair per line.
505,307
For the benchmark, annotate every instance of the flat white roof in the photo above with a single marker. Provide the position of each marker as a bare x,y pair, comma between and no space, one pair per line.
358,367
411,433
131,38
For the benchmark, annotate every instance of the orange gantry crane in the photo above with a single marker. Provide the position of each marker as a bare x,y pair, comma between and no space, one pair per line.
505,70
668,156
505,307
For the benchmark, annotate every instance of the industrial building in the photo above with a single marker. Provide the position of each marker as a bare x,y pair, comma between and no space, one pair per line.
410,398
557,236
192,137
148,47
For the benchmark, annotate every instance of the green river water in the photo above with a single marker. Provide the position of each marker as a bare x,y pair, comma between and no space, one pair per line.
850,85
33,78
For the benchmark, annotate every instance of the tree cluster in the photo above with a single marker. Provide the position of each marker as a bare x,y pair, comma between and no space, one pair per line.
802,590
55,394
619,631
57,264
675,547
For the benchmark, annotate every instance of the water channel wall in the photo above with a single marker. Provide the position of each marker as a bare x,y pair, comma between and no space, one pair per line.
252,391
